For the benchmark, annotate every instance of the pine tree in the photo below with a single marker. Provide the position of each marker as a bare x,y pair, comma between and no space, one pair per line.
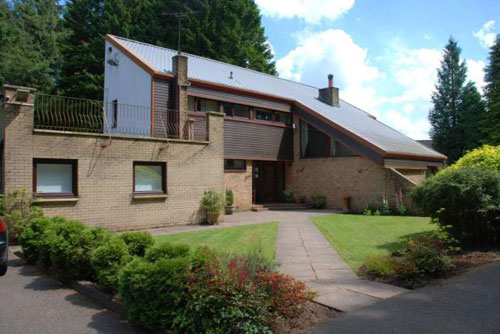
473,109
491,125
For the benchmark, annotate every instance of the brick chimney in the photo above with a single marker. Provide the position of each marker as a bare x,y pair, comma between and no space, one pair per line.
329,94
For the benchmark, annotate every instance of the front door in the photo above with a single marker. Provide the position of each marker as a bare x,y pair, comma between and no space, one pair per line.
268,181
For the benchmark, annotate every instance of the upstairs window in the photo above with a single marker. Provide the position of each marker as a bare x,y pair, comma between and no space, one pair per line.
233,164
227,109
115,114
263,115
283,118
55,177
314,143
150,177
197,104
240,111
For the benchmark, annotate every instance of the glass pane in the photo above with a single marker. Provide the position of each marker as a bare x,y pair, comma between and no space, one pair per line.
148,178
234,164
228,109
283,118
54,178
190,103
240,111
263,115
207,105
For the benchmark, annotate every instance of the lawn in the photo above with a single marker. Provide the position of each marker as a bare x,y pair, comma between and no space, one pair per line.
239,239
357,238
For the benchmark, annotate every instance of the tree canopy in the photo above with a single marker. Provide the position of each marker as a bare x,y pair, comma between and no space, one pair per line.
491,125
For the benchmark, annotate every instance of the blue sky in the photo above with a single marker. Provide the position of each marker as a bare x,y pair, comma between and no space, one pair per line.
383,54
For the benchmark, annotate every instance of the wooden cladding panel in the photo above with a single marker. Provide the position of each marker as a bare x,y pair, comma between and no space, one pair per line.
162,102
257,141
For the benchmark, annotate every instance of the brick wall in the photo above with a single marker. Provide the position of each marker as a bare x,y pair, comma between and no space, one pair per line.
241,184
105,173
358,177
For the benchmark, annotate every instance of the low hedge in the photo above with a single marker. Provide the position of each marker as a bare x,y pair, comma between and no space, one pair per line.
32,237
166,251
137,242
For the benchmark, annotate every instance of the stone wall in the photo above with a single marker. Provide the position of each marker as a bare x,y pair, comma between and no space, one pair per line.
241,184
105,171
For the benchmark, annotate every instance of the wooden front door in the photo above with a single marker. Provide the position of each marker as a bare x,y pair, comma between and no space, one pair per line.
268,181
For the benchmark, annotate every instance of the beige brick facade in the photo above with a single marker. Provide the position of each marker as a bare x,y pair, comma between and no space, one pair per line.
241,184
358,177
105,171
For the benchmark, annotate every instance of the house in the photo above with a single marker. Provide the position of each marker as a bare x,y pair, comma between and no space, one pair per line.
173,125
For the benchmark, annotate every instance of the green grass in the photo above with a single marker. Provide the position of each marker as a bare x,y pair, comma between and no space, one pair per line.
357,238
238,240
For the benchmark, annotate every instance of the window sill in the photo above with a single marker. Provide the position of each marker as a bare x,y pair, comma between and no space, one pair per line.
55,199
229,170
149,196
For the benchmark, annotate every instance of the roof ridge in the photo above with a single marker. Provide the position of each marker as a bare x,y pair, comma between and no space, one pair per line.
216,61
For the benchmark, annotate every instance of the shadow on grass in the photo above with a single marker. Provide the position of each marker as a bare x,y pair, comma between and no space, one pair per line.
397,246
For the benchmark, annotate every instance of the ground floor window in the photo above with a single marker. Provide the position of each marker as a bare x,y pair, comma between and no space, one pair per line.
233,164
55,177
150,177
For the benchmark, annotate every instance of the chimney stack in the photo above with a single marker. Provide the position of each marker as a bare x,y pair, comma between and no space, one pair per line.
330,94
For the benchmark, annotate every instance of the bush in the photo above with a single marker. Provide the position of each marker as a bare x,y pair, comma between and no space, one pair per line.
380,265
287,195
137,242
32,237
154,293
485,157
211,201
70,244
428,254
17,209
108,260
318,202
166,251
229,197
467,200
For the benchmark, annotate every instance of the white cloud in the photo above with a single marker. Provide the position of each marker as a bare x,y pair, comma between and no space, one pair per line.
402,122
475,72
486,35
312,11
427,36
332,51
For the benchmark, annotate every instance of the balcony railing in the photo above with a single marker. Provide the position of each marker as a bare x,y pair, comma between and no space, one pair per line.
91,116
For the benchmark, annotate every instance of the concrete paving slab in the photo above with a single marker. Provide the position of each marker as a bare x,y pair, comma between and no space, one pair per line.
345,300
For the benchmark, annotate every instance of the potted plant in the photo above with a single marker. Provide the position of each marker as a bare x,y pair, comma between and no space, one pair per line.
300,199
288,195
229,202
211,203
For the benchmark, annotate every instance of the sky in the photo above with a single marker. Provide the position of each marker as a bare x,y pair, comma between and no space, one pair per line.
383,54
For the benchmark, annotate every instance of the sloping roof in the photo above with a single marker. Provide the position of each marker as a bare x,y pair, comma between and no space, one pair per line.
346,116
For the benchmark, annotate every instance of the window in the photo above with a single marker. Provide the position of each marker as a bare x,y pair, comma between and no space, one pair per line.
54,177
240,111
115,113
282,117
150,177
201,105
227,108
235,164
263,115
314,143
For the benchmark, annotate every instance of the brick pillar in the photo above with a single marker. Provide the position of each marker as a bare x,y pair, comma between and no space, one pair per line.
16,120
215,134
180,69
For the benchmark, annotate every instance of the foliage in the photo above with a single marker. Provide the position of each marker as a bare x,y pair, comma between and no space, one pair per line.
287,195
70,245
486,157
154,292
491,124
457,106
166,251
137,242
17,209
32,237
108,260
401,209
318,202
467,200
229,197
211,201
380,265
429,254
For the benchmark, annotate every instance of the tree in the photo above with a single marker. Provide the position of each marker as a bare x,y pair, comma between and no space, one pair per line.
491,125
30,32
457,107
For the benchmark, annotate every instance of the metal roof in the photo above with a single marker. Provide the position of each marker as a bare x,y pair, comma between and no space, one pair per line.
345,115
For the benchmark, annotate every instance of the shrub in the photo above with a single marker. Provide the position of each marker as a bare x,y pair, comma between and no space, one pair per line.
223,299
70,244
108,260
401,209
17,209
154,293
229,197
380,265
166,251
137,242
32,237
287,195
406,270
318,202
211,201
467,200
428,254
485,157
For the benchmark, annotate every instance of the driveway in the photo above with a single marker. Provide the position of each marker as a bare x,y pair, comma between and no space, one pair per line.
33,303
469,303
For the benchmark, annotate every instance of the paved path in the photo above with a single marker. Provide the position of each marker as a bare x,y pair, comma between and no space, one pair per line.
33,303
466,304
304,253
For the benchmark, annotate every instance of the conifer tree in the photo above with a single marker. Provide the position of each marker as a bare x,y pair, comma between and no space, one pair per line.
491,124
